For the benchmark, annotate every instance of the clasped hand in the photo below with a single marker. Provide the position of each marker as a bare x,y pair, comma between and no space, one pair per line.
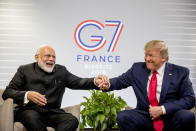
155,112
102,82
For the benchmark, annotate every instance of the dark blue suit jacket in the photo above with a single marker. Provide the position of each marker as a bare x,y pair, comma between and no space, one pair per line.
177,92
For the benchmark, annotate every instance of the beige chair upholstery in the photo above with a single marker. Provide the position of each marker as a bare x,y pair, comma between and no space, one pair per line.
7,117
194,111
6,114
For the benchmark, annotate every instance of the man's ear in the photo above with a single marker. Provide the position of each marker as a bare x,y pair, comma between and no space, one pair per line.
164,59
36,57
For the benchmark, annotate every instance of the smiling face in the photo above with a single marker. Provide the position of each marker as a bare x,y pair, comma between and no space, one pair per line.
153,59
156,53
46,58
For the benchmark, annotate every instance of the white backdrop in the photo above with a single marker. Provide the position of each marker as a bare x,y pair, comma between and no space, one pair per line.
27,24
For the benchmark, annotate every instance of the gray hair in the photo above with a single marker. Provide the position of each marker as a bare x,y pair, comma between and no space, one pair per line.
42,46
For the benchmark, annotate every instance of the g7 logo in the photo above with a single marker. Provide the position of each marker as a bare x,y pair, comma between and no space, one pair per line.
100,39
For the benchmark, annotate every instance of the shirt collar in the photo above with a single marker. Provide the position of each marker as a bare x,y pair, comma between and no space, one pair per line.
161,70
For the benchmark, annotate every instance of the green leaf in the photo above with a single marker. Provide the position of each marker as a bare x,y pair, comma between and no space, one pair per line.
101,118
86,98
89,122
107,110
86,112
115,126
95,124
112,95
104,126
113,110
82,126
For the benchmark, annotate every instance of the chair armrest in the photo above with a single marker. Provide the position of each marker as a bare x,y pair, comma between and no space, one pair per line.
7,115
193,109
75,110
128,108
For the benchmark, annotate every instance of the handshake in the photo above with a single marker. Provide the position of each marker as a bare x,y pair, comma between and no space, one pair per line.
102,82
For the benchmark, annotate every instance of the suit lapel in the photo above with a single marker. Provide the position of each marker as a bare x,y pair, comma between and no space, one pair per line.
166,81
145,81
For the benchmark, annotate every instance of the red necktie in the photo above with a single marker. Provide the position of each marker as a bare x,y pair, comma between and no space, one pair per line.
158,124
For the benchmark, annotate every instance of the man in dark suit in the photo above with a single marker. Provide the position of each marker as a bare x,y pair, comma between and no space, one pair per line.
173,93
38,90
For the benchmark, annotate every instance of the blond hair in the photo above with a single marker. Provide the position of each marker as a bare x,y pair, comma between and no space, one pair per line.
158,44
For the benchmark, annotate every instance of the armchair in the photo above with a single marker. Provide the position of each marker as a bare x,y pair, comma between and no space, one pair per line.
7,117
6,114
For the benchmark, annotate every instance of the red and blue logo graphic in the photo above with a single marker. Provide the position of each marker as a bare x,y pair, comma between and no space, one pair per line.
101,41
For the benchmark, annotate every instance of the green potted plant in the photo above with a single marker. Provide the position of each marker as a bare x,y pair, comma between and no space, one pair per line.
100,110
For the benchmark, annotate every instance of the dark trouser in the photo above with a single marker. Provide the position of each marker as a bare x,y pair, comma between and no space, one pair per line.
35,121
137,120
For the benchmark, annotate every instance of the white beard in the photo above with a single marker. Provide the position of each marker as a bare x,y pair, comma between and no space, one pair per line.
43,66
